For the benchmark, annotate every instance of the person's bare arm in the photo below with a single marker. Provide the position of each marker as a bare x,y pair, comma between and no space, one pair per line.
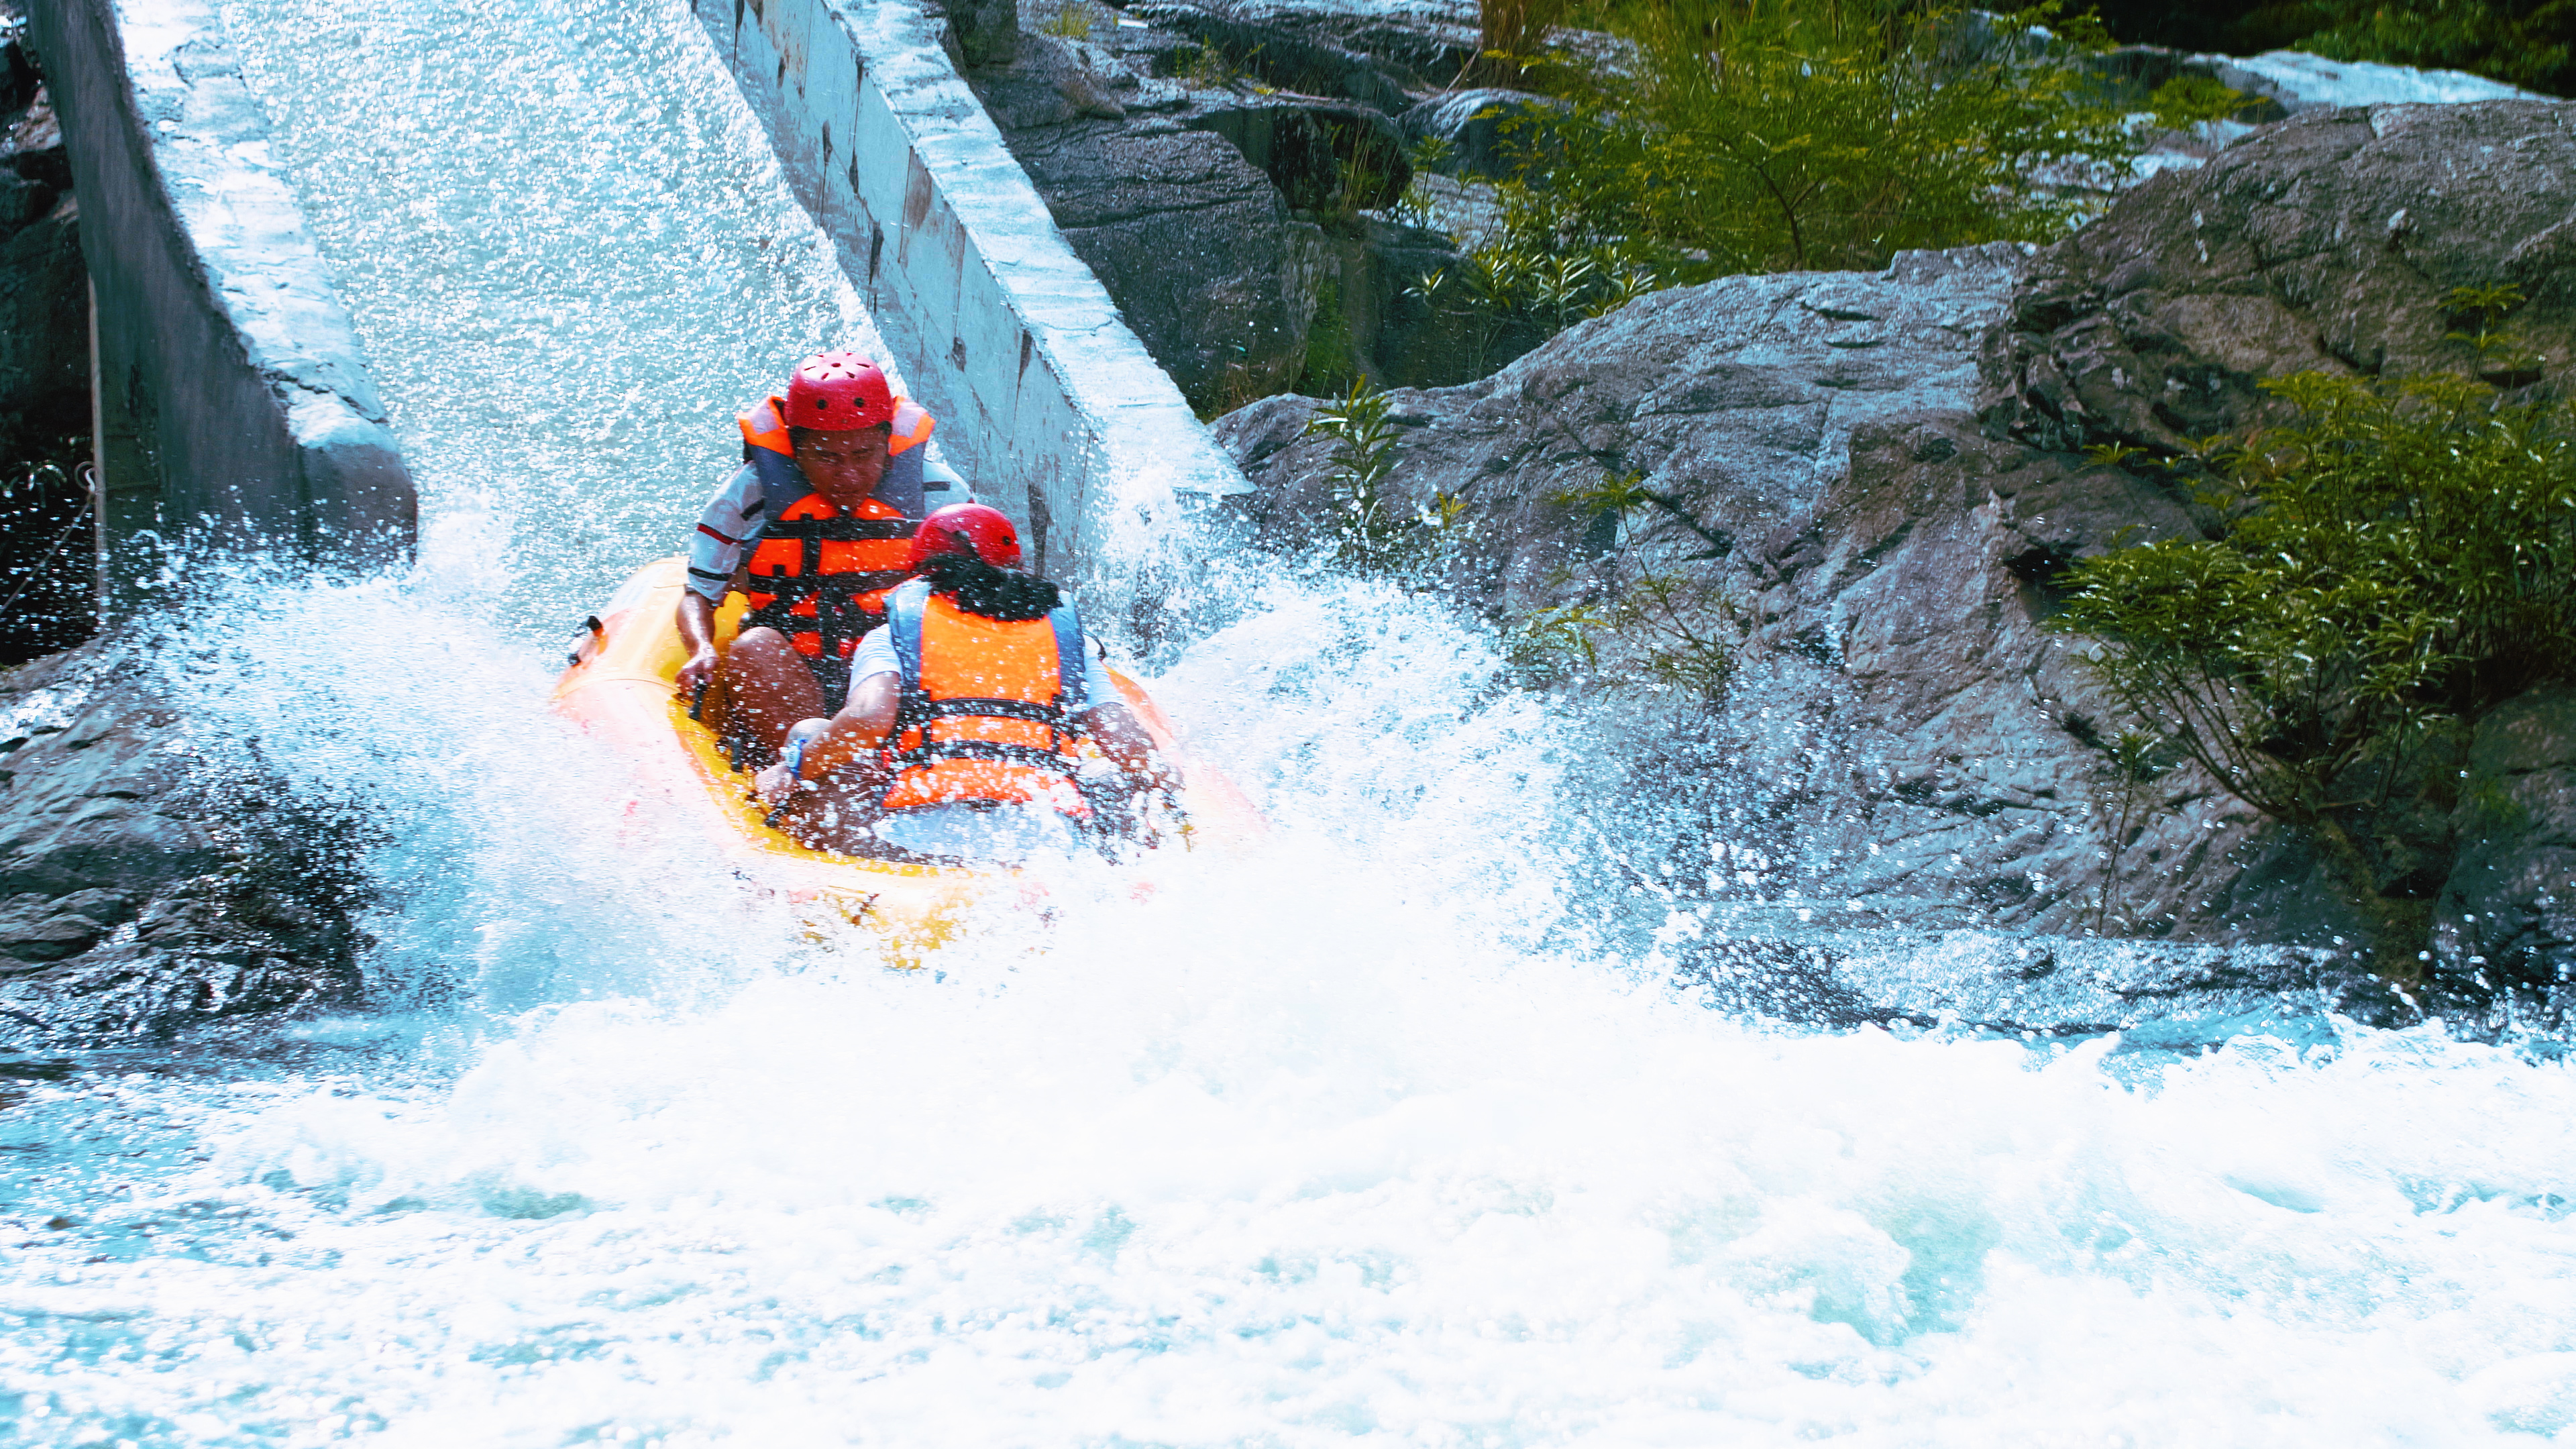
697,623
848,740
1115,728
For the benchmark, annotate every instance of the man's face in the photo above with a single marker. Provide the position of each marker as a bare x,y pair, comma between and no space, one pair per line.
844,467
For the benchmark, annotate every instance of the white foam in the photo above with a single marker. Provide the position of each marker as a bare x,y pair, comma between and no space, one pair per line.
1365,1138
2317,81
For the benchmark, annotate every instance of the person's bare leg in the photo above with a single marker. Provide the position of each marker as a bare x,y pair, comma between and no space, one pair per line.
762,687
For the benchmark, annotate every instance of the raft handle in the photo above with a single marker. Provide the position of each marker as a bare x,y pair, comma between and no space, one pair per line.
597,631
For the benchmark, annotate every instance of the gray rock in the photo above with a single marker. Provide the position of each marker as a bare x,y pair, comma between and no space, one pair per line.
2509,909
149,881
1251,40
1904,731
2159,995
2329,243
1322,157
986,32
2128,76
1227,225
1195,245
1951,748
1736,400
1423,44
1483,133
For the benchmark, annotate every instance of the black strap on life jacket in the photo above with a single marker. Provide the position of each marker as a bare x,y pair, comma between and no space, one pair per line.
838,615
903,616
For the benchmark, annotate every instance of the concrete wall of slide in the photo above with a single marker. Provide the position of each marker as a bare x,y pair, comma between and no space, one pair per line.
1045,398
235,407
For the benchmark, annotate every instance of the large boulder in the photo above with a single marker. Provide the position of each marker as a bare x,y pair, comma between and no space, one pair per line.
1904,731
1273,43
1421,44
2333,242
150,883
1735,401
2509,908
1195,244
1320,155
1483,133
1231,224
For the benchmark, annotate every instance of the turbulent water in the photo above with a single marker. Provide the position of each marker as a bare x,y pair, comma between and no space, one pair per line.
1372,1137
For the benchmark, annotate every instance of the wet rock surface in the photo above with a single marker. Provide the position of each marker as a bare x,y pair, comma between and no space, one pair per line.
45,581
149,884
2508,912
2328,243
1734,402
1882,474
1767,963
1227,170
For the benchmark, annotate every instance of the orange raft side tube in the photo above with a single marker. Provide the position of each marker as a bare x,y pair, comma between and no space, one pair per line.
620,688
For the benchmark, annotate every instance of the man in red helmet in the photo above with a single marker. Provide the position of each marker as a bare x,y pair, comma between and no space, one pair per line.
967,715
818,523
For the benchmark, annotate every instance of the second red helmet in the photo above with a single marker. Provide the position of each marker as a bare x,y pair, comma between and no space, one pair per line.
963,526
838,392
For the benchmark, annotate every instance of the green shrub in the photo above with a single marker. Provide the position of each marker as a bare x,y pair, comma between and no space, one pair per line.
1747,137
2187,101
2397,563
1669,629
1661,629
1074,20
1374,530
1510,35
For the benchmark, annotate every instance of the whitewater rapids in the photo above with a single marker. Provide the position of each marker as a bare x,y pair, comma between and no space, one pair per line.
1377,1138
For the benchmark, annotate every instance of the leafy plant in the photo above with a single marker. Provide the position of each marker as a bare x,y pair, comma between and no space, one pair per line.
2503,357
1828,133
1510,35
1071,21
2188,101
2130,762
2399,562
1374,530
1619,493
1661,629
1205,67
1544,272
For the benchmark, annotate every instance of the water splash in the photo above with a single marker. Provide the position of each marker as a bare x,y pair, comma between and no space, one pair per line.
1365,1139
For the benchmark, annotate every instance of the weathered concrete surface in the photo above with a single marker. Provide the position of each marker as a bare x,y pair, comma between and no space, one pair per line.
147,883
44,298
236,400
1043,392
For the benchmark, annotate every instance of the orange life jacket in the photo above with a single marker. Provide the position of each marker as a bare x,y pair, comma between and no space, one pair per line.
989,708
840,562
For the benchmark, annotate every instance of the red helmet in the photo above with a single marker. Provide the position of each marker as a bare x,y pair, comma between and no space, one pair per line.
955,527
838,392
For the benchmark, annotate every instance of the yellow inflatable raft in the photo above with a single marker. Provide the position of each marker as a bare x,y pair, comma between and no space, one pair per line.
619,687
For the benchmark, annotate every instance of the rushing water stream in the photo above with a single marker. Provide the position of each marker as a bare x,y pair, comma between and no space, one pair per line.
1365,1140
